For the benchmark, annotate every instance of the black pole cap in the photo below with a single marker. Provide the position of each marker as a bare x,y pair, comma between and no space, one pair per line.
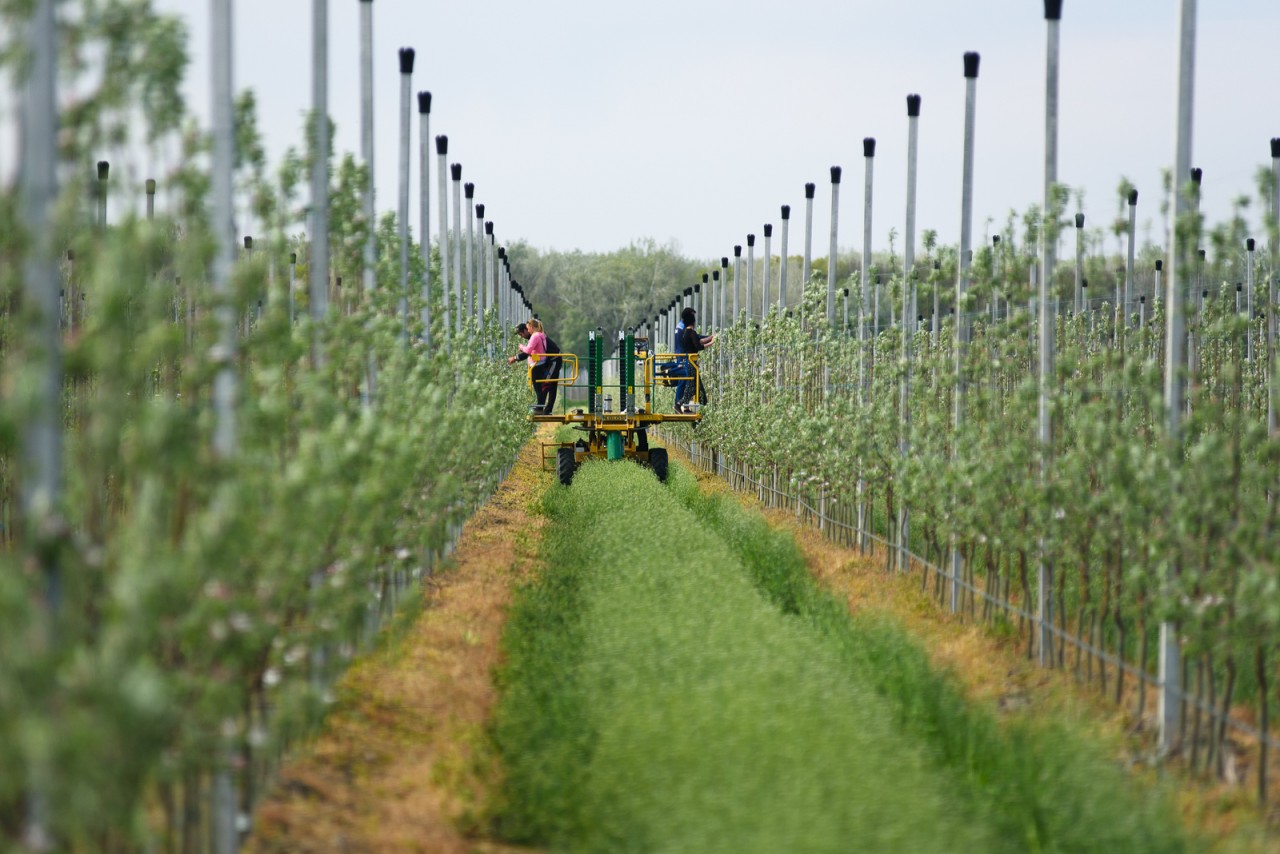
809,189
1053,10
724,261
1201,253
835,174
715,275
913,106
1084,283
971,59
293,257
1079,220
442,144
480,211
688,292
468,189
995,240
786,212
103,169
869,147
705,276
737,250
502,252
151,186
406,60
455,170
248,242
424,102
1133,197
1159,265
768,229
71,254
1197,175
1275,146
846,293
1249,244
1239,287
488,227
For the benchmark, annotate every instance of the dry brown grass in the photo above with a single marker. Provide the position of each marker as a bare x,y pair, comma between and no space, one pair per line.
404,761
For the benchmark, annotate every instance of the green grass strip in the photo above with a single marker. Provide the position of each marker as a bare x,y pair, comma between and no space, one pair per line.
676,683
1042,785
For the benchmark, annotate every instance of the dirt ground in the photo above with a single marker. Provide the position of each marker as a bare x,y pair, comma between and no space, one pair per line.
403,762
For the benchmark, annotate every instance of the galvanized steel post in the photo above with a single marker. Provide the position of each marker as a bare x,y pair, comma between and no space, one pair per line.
406,78
442,243
1048,259
971,61
831,253
1170,653
424,208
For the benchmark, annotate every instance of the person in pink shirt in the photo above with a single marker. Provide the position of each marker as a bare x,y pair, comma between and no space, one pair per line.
545,370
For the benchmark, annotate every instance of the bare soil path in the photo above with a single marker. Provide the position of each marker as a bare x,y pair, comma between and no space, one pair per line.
403,762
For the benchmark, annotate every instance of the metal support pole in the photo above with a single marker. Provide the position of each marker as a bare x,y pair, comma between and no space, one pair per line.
104,170
831,253
406,79
722,287
473,297
1250,246
1128,263
1273,325
737,279
1048,245
768,267
455,248
751,273
151,199
1079,289
971,61
1170,653
717,296
319,295
869,155
908,312
41,435
807,271
782,276
424,209
366,144
442,175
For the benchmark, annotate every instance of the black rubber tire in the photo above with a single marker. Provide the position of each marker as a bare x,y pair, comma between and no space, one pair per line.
565,465
658,462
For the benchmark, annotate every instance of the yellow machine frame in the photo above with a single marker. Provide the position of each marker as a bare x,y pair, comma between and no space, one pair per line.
619,431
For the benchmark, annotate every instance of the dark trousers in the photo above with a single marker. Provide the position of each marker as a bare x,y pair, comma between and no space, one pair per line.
544,373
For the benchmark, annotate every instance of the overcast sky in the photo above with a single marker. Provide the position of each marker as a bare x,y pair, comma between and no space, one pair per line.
586,124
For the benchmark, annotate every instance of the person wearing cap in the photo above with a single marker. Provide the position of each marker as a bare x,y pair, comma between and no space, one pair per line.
546,369
689,343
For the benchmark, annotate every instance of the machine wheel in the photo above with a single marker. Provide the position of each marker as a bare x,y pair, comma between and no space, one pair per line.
565,465
658,462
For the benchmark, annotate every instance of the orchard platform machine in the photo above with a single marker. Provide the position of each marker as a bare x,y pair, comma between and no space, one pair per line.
617,410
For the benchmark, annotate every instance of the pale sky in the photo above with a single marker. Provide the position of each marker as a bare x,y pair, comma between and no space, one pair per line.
586,125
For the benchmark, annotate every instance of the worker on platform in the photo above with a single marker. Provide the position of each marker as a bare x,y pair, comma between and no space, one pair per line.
544,354
688,343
